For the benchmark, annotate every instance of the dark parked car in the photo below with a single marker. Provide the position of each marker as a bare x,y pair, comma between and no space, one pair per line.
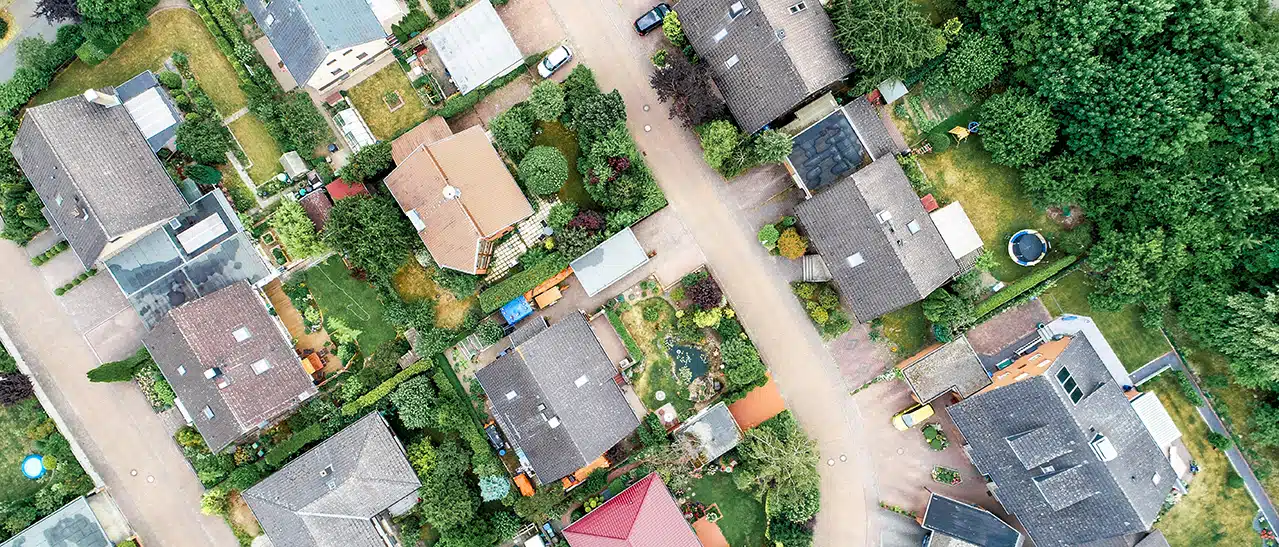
653,19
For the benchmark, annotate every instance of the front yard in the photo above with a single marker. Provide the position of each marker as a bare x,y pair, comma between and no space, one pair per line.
1135,344
370,98
556,135
352,300
744,522
1212,513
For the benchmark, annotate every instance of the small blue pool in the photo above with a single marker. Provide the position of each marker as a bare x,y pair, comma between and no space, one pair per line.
691,358
1027,247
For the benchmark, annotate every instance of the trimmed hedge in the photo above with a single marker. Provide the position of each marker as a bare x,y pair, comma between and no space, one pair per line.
498,295
632,347
48,255
458,104
292,445
1016,288
383,389
75,282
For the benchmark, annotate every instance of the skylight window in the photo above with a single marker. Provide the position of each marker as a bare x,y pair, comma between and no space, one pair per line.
270,18
182,371
415,220
581,381
723,33
855,260
260,366
737,10
208,413
731,61
1068,384
913,226
885,215
796,8
510,395
241,334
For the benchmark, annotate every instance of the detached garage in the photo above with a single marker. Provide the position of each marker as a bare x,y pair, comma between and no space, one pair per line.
475,47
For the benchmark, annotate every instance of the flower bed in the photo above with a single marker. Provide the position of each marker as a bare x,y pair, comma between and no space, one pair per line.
944,475
935,437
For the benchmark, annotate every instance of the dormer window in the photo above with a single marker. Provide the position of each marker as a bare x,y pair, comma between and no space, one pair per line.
737,10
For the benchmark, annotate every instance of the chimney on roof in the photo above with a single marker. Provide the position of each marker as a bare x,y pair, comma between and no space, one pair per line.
105,99
451,192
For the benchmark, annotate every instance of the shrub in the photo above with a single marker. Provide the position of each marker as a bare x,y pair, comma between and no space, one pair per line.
976,62
496,296
513,131
1219,441
214,501
383,389
4,28
170,80
705,294
652,311
494,487
203,174
792,245
188,437
547,101
489,331
708,318
243,477
1022,285
674,30
295,443
741,362
461,285
561,214
205,141
1187,388
659,58
1233,480
544,170
719,139
123,370
442,8
768,236
413,402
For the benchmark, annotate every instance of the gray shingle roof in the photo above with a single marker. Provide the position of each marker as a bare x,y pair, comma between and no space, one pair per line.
870,128
898,268
304,33
968,523
951,367
74,525
95,173
713,431
200,335
1073,496
782,58
328,496
539,380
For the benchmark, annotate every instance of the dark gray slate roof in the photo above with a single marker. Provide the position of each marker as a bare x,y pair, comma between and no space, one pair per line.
95,173
898,268
953,366
74,525
968,523
328,496
870,128
538,382
1035,445
304,32
782,58
827,151
200,335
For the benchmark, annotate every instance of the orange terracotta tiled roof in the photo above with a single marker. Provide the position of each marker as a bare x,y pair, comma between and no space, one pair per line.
758,406
427,132
458,192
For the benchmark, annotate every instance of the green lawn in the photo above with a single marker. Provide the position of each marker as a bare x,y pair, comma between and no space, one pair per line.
744,522
554,134
258,145
1212,513
1135,344
658,365
907,330
991,195
14,445
368,99
354,301
169,31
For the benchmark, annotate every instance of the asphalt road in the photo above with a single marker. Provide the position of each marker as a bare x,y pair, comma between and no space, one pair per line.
803,368
113,423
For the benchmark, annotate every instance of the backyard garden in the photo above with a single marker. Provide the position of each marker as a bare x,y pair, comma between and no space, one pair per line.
388,103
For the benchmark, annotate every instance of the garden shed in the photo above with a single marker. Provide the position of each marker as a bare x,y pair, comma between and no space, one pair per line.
711,433
958,233
609,262
475,47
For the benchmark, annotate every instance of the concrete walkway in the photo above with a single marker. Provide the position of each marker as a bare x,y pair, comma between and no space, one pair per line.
1236,458
123,440
1153,368
804,370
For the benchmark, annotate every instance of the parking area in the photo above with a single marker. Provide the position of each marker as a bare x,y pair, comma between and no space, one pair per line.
904,462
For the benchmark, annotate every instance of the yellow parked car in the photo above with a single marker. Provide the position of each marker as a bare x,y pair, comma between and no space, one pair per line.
912,416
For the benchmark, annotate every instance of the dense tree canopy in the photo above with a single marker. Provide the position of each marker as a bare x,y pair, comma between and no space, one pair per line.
1017,128
779,464
686,87
370,163
372,233
296,230
886,39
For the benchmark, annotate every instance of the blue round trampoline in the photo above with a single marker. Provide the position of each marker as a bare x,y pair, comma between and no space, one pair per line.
1027,247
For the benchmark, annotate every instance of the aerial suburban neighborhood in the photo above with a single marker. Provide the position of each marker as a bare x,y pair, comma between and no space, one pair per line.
701,273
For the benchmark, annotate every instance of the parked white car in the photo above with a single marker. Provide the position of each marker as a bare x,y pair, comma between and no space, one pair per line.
558,57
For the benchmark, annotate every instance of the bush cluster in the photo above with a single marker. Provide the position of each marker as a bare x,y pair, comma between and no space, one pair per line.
1032,284
41,258
294,444
382,390
498,295
821,302
75,282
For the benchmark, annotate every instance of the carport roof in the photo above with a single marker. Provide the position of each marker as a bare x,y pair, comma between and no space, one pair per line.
609,262
950,367
475,47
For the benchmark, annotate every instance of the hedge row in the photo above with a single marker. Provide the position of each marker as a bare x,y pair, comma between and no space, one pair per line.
1016,288
383,389
75,282
41,258
498,295
458,104
632,347
281,452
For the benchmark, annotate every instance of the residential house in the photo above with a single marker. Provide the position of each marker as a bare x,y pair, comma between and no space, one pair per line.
457,193
475,47
325,42
341,493
555,395
842,140
766,56
99,179
643,515
231,364
953,523
883,250
1062,448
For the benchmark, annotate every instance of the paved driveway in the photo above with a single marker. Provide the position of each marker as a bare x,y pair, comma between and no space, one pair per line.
27,25
123,439
801,365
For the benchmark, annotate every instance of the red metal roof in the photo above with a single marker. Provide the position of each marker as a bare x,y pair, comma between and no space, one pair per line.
929,202
643,515
339,189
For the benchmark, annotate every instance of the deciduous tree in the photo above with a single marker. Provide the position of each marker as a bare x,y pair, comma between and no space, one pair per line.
686,87
544,170
296,230
1017,128
373,234
547,100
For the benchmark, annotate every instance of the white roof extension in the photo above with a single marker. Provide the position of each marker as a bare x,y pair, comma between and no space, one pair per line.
956,230
609,262
1157,420
150,112
475,47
